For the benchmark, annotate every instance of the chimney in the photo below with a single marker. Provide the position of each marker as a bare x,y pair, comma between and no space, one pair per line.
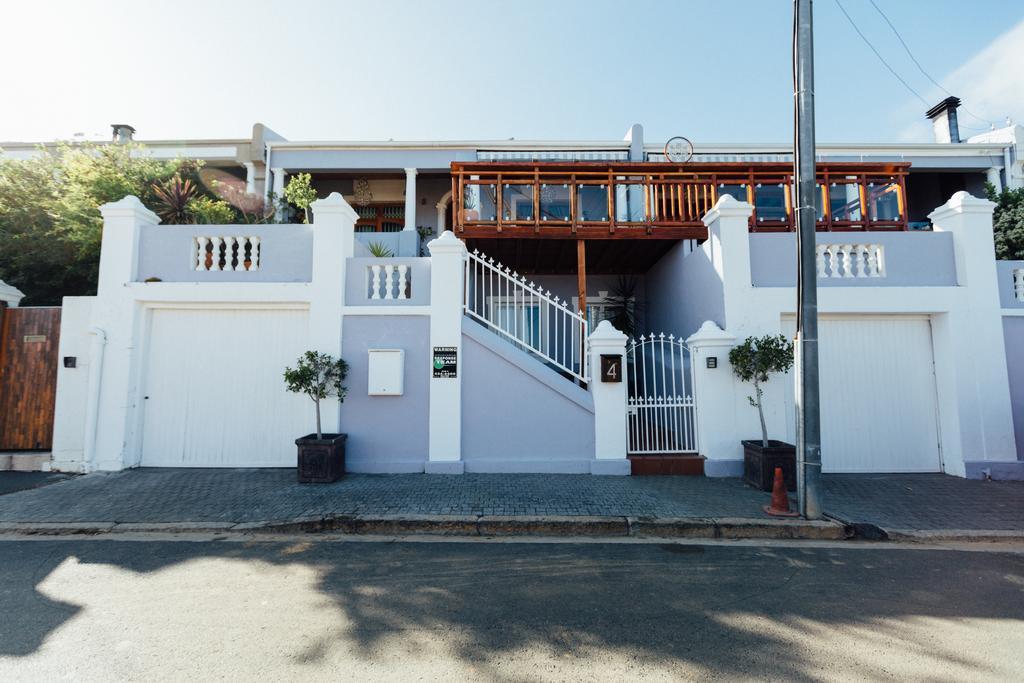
122,132
943,116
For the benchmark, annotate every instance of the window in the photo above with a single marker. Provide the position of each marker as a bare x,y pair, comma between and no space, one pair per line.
629,201
602,307
480,202
770,202
883,200
592,203
737,192
554,202
380,218
519,319
517,203
844,201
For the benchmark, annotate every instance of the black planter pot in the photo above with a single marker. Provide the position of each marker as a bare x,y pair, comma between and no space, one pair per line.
321,461
759,463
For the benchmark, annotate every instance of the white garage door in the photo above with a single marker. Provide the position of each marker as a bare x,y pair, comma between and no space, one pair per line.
216,397
878,402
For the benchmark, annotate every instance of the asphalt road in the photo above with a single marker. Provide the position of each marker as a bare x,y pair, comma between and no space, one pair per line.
317,609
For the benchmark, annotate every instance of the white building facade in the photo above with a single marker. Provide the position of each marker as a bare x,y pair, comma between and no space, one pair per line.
487,345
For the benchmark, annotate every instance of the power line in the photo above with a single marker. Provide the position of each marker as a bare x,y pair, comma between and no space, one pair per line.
877,54
918,64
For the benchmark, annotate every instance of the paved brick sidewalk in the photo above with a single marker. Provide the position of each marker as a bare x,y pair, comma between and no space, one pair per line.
925,502
211,495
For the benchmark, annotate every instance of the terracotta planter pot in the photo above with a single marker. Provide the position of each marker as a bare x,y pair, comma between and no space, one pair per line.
321,461
759,463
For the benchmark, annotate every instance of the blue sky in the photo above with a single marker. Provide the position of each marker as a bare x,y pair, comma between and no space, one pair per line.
715,71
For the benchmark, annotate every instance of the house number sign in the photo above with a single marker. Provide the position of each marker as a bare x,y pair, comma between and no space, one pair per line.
446,361
611,367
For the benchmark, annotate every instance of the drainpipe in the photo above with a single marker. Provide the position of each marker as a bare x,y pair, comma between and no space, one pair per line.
266,173
92,412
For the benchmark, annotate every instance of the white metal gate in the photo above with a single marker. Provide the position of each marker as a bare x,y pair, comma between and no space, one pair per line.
660,408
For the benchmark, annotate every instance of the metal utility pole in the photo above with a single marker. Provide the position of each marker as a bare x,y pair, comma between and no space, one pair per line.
808,414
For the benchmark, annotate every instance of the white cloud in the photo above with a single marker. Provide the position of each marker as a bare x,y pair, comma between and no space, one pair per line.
990,84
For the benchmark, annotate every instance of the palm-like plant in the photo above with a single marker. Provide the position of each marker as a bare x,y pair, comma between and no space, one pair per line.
380,250
172,198
621,307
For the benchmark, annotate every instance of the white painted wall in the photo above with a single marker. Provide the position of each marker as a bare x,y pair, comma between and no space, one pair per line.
73,386
975,421
121,313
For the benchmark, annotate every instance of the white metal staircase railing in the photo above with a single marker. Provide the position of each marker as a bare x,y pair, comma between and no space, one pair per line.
527,315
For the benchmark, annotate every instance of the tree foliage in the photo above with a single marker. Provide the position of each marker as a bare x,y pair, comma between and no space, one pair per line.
1008,222
755,361
50,224
299,191
317,375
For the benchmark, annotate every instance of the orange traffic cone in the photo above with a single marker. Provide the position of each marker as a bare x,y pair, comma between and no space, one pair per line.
780,501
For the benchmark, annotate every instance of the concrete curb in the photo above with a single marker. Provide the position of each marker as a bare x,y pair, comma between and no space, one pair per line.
955,535
468,525
865,531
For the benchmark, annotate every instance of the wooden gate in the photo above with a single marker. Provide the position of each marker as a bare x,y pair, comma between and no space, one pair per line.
660,410
28,377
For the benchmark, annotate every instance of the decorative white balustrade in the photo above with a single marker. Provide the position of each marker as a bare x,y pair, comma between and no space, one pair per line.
388,281
225,253
1018,284
527,315
850,260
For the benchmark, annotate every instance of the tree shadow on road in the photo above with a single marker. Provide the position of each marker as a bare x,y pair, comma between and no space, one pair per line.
684,610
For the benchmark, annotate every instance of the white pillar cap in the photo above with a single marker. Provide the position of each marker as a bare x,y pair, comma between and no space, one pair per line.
10,294
605,335
727,207
961,203
129,207
710,334
333,204
447,243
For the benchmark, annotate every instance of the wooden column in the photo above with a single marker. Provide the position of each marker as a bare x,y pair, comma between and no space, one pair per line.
581,274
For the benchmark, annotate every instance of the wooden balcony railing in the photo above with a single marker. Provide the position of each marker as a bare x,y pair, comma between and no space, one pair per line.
598,200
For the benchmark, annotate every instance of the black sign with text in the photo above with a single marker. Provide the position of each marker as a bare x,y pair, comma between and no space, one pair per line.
446,361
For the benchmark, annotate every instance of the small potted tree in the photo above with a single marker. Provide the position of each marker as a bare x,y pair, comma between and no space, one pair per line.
755,361
321,456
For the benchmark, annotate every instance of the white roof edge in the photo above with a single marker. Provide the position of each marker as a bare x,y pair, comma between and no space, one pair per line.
952,149
785,148
205,142
451,144
961,149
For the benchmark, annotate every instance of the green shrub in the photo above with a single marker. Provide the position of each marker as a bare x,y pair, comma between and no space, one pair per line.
208,211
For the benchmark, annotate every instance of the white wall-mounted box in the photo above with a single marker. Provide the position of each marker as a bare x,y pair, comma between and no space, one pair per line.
386,372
